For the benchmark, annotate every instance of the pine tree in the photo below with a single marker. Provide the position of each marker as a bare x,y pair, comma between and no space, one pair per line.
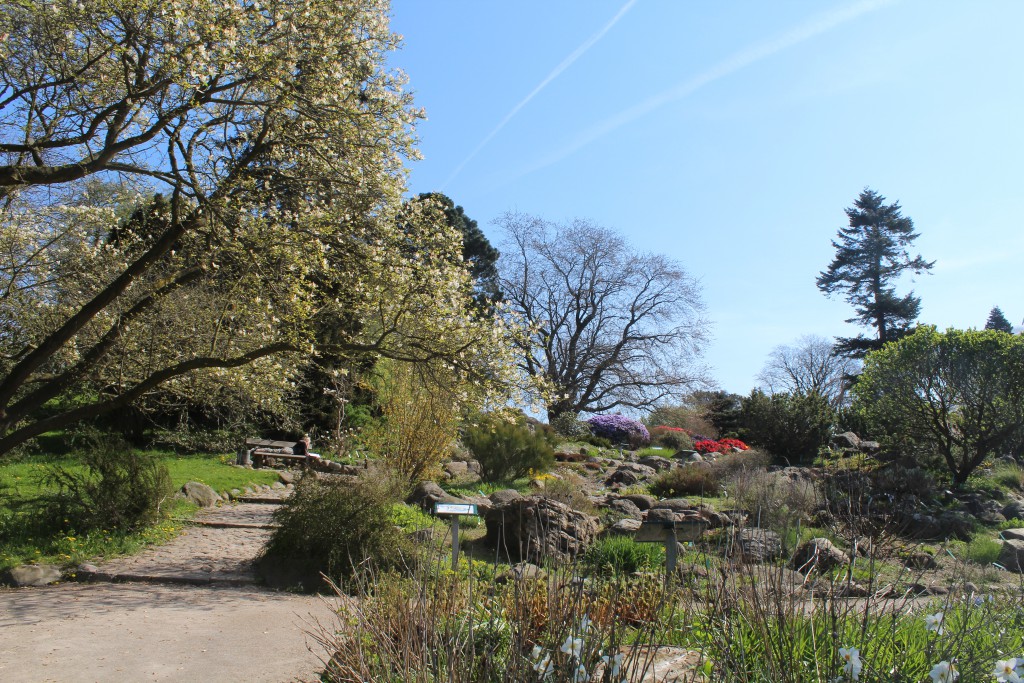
871,254
997,321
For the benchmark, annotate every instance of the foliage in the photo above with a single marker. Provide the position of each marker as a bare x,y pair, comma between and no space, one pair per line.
332,526
119,488
675,438
983,550
570,426
810,366
997,321
792,427
619,555
684,416
620,429
956,393
773,501
697,479
609,327
871,255
276,230
569,488
419,420
507,449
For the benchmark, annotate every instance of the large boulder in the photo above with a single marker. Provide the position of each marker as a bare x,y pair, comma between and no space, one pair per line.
846,440
1014,509
1013,534
429,493
657,462
536,529
626,508
758,545
818,554
630,473
33,575
643,502
201,494
1012,556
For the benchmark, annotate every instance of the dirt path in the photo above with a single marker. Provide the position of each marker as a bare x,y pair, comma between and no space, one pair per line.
186,611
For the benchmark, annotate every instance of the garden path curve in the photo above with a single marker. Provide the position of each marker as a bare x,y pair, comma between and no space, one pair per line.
189,610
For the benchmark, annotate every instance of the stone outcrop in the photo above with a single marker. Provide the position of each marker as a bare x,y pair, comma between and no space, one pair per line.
201,494
818,554
758,545
536,528
1011,557
33,575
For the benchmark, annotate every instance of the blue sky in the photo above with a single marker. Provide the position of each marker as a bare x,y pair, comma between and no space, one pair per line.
730,136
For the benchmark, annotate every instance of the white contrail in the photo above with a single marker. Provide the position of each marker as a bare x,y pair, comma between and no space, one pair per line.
740,60
565,64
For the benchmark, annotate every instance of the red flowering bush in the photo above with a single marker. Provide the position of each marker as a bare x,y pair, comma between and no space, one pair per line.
709,446
734,443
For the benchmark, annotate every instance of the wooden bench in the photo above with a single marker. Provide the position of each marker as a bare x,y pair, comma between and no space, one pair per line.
262,451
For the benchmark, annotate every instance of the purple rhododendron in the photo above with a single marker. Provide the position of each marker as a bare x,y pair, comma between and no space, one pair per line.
619,428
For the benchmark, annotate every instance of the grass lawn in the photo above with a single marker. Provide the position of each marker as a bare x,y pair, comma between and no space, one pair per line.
22,539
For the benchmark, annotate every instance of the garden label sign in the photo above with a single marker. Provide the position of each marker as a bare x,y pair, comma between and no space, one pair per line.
670,533
454,510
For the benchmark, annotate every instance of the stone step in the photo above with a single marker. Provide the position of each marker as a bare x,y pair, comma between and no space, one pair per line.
233,525
263,500
182,578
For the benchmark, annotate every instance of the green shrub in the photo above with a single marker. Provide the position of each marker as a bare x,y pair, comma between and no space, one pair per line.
792,427
570,426
618,555
331,526
570,490
1009,476
506,449
671,438
983,550
698,479
118,489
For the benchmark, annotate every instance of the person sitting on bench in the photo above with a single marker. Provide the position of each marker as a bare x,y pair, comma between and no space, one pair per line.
302,448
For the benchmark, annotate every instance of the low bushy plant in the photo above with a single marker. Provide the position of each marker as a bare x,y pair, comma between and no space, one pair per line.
675,438
618,555
698,479
118,488
792,427
569,489
507,449
620,429
330,526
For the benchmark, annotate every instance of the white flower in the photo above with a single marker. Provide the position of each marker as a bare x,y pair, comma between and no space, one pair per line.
572,646
544,666
1006,670
944,672
585,624
933,622
580,676
616,663
851,662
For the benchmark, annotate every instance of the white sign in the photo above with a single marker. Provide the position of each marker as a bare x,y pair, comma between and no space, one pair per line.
454,509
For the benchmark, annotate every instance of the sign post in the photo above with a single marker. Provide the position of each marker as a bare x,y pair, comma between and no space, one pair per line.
670,532
454,510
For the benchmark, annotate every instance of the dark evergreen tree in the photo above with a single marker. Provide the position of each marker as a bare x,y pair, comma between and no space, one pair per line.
997,321
478,253
871,254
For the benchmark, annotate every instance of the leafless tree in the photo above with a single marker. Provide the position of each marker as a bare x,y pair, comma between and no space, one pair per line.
809,366
610,327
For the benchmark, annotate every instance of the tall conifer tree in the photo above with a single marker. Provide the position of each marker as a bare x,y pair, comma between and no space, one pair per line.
871,254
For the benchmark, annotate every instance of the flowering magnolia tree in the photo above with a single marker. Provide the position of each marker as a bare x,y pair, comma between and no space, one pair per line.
275,139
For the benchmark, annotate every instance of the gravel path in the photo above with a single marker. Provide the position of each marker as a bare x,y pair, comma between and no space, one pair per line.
185,611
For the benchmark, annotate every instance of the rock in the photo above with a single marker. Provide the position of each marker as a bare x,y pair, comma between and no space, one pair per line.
536,529
758,545
1014,509
870,447
1013,534
846,440
201,494
504,496
689,456
818,554
625,527
920,561
625,508
640,500
235,493
33,575
523,571
277,485
677,504
1011,556
656,462
286,477
715,519
628,474
456,469
985,510
462,470
427,494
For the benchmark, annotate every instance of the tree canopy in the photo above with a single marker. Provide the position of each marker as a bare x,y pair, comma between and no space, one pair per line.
957,394
811,365
997,321
872,252
275,138
609,327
